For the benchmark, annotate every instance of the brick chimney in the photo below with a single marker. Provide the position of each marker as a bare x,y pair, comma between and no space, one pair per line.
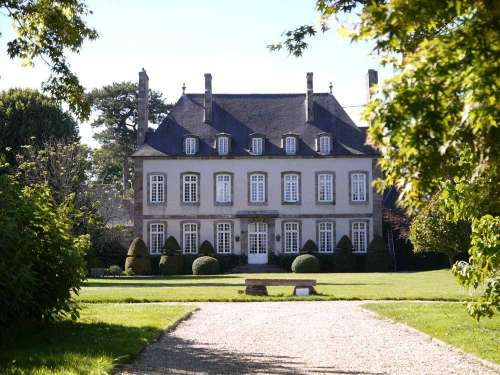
372,78
208,102
309,98
142,107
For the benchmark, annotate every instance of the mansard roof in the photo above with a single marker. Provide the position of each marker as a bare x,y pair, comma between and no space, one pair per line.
270,115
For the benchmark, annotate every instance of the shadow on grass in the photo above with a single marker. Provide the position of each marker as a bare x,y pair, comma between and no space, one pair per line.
173,354
159,285
69,347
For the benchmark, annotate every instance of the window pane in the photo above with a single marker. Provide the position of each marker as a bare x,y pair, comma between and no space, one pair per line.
358,187
291,237
291,187
290,145
325,188
190,188
326,237
224,238
190,232
359,236
223,188
257,146
157,188
257,188
223,145
324,145
157,235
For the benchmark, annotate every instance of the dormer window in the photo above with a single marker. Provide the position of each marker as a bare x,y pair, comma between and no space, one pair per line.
190,145
257,145
324,144
290,144
223,144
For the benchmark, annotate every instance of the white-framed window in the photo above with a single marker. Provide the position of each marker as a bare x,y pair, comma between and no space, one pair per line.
359,236
290,145
291,188
291,237
190,145
224,238
358,187
223,145
325,187
157,188
156,237
223,188
257,146
190,238
324,145
257,188
257,238
190,188
326,237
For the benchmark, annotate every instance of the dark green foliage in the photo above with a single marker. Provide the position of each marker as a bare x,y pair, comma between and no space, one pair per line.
171,246
309,247
306,263
205,265
114,270
429,260
344,258
378,258
108,246
228,261
138,260
326,262
206,248
171,265
282,260
41,262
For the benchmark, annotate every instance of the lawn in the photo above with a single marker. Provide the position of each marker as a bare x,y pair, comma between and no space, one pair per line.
104,336
431,285
448,322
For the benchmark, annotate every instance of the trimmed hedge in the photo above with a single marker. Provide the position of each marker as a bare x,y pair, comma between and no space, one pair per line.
378,258
306,263
171,246
345,260
205,265
206,248
281,260
171,265
138,261
309,247
326,262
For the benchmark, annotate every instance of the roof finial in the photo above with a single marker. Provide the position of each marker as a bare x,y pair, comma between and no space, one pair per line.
183,88
330,86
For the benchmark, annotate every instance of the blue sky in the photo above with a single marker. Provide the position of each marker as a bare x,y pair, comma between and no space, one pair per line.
178,41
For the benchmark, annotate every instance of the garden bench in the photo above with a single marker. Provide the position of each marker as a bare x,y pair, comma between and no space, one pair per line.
258,287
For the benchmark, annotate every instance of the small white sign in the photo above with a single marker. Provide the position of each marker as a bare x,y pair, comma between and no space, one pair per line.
302,291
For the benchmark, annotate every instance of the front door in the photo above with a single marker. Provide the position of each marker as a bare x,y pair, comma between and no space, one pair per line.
257,243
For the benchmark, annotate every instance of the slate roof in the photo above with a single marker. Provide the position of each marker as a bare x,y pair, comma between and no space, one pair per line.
271,115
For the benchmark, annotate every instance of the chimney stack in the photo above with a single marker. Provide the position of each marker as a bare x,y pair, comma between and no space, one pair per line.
142,107
372,81
207,118
309,98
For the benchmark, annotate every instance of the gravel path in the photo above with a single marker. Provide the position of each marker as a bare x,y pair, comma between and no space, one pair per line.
297,338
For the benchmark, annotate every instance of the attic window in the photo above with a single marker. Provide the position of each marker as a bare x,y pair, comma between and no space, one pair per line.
324,144
257,145
222,143
290,144
190,145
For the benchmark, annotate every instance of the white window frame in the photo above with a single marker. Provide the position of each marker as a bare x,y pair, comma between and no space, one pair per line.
223,187
257,188
257,146
325,187
358,187
223,145
190,233
291,237
359,233
190,188
326,237
290,145
291,188
224,238
257,238
190,145
156,188
324,145
156,237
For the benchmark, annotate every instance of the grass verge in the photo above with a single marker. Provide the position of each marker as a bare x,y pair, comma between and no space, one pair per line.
447,322
105,335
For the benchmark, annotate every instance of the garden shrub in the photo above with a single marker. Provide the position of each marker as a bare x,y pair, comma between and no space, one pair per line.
344,258
206,248
114,270
155,263
306,263
205,265
171,265
378,258
228,261
326,262
309,247
108,246
171,246
138,260
282,260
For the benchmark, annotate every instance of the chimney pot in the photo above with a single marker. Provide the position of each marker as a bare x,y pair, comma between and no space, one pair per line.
372,77
309,98
208,102
142,107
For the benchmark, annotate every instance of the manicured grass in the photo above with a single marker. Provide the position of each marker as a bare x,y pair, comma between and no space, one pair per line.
448,322
431,285
104,336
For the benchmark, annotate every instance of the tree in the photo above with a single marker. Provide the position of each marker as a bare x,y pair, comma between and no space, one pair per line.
435,122
46,30
116,109
430,230
27,117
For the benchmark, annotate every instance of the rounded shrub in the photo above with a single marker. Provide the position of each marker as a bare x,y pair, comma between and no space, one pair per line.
205,265
114,270
306,263
378,258
138,261
171,265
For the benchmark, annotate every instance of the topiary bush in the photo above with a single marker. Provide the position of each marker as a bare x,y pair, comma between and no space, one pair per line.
206,248
171,265
306,263
344,259
171,246
205,265
284,261
138,261
309,247
114,270
378,258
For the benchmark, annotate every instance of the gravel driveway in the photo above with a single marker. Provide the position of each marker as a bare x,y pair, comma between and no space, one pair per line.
297,338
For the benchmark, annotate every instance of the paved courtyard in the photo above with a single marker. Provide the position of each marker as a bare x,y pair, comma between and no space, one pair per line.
297,338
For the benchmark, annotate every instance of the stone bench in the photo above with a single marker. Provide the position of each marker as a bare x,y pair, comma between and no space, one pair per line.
258,287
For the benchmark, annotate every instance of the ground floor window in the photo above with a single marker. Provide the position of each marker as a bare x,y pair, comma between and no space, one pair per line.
359,236
257,238
223,236
190,238
156,237
326,237
291,237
